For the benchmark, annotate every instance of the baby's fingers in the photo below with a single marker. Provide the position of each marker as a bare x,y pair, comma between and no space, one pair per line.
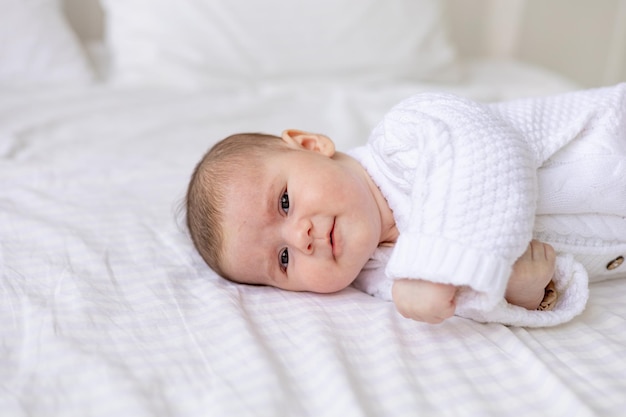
423,300
544,260
541,251
441,303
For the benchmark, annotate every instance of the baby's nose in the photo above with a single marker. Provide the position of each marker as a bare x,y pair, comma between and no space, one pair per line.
300,235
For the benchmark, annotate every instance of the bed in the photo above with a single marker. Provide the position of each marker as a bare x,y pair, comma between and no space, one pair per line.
105,307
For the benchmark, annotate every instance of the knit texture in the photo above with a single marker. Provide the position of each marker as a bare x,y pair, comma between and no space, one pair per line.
462,180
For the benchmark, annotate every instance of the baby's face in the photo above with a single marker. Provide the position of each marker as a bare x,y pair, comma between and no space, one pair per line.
303,221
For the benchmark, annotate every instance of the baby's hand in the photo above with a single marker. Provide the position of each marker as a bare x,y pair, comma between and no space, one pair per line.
531,274
424,300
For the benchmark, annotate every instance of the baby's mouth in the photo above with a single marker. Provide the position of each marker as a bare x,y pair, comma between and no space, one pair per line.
332,237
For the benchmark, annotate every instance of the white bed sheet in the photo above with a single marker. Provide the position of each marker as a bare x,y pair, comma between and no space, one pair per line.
106,309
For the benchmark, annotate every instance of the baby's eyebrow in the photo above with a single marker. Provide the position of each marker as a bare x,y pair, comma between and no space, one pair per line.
268,270
271,269
268,214
268,196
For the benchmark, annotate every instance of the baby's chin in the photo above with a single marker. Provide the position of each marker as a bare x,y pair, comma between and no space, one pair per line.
332,290
338,285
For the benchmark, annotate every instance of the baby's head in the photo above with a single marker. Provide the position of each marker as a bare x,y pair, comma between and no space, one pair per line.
208,184
286,211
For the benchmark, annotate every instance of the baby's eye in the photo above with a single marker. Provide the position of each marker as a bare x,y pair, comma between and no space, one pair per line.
284,202
284,259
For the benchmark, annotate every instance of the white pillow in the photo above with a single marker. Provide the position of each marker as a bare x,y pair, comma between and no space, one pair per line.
196,43
38,46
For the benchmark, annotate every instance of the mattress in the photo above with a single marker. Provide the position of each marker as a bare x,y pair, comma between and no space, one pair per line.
106,309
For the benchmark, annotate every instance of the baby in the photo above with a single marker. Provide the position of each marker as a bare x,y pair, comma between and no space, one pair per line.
444,211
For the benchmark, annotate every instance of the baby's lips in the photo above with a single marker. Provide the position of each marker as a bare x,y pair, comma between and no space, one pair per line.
331,238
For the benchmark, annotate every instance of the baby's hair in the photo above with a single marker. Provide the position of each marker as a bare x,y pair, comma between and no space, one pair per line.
205,194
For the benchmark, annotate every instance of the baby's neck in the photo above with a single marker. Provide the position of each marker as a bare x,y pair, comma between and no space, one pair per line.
389,232
389,239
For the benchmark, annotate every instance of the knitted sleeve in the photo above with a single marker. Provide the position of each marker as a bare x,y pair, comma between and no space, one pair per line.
462,184
461,178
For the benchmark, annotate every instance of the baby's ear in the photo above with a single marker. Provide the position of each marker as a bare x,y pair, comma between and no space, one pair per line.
310,141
